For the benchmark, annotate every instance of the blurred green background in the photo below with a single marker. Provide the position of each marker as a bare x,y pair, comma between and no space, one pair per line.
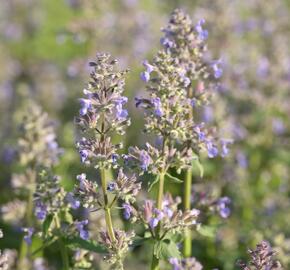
44,53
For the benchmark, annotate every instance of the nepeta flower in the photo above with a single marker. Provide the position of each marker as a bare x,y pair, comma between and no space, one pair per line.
145,76
262,258
184,81
202,33
125,188
28,235
40,210
127,210
74,203
223,208
185,264
80,226
85,106
118,248
102,113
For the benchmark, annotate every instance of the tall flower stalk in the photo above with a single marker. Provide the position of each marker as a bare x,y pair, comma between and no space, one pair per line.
102,116
37,147
180,81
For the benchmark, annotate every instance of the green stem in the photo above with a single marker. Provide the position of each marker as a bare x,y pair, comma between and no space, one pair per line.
108,217
63,249
160,191
187,248
24,249
155,260
154,263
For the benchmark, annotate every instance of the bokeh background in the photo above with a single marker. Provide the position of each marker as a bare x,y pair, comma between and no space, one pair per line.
44,53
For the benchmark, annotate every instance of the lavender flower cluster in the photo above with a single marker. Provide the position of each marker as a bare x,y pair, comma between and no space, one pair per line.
180,82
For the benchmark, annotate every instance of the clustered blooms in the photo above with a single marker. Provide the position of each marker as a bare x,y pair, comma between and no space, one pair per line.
169,217
116,249
185,264
262,258
49,197
125,188
102,113
37,144
179,80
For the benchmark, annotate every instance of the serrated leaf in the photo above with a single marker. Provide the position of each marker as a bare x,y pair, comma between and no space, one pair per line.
197,163
77,242
173,178
153,183
46,224
166,249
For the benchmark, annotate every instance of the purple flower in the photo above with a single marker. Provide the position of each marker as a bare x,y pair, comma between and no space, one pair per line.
40,210
115,158
202,34
84,155
82,178
222,205
153,222
201,134
212,150
157,106
278,126
145,160
27,237
225,149
242,160
145,76
86,104
75,204
127,210
218,71
175,263
167,43
84,234
111,186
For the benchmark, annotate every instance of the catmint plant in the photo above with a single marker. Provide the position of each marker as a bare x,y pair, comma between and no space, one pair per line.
180,81
102,116
37,147
262,258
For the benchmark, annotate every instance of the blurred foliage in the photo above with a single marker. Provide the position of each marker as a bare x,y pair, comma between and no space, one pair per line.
44,52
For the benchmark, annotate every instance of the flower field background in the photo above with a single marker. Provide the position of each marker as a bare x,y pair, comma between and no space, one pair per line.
238,156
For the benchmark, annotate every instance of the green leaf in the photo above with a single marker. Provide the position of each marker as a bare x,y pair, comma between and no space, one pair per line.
46,224
197,163
47,243
166,249
153,183
65,216
207,231
138,241
174,179
77,242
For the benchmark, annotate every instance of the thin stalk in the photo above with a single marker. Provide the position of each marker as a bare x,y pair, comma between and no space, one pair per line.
155,260
24,249
160,191
154,263
62,247
107,209
187,248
